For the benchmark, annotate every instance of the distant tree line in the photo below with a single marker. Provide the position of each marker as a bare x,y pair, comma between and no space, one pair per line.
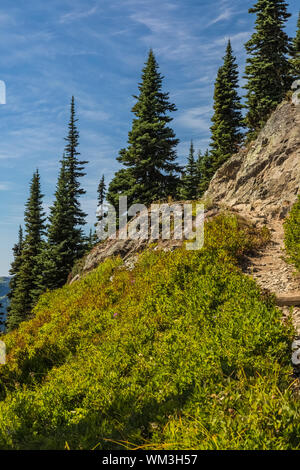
45,254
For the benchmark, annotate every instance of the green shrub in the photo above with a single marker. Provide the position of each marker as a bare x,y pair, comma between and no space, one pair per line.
292,235
183,352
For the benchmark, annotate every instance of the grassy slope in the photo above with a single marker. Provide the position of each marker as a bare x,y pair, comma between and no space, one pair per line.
184,352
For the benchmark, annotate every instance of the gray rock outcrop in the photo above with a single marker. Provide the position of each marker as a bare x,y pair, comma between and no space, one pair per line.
264,178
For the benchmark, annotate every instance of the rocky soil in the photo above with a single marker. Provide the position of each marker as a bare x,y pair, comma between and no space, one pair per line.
271,271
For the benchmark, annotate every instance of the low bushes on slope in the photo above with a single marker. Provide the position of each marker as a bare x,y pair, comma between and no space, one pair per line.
292,235
183,352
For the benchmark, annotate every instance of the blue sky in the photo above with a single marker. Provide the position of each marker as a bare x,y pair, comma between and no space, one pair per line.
95,50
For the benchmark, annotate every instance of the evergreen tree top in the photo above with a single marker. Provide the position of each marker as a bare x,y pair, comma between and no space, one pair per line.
191,157
152,102
72,138
190,179
72,143
227,118
74,169
20,239
101,191
150,157
271,16
34,217
268,71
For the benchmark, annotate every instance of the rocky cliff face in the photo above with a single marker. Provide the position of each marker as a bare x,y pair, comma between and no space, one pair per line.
265,178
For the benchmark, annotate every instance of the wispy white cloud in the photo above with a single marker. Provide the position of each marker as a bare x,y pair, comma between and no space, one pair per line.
224,16
4,186
174,38
195,118
77,15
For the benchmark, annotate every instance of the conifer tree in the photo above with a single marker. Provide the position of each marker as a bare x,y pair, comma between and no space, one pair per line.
227,119
199,165
205,171
295,61
101,197
66,240
151,171
268,69
101,191
92,239
15,265
74,169
190,180
25,292
57,256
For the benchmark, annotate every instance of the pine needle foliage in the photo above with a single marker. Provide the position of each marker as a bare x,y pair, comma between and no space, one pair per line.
226,135
268,71
151,171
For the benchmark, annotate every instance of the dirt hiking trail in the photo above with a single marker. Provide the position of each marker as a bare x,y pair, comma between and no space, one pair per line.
272,272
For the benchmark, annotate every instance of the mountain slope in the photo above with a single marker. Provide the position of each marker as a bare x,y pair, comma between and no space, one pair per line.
181,352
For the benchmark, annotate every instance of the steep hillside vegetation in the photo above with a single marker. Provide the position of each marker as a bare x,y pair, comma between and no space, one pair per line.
292,235
182,352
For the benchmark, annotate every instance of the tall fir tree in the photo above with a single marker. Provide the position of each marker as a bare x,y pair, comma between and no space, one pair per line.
15,265
74,170
25,292
57,257
151,171
295,60
66,241
205,171
226,135
190,179
101,191
268,71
